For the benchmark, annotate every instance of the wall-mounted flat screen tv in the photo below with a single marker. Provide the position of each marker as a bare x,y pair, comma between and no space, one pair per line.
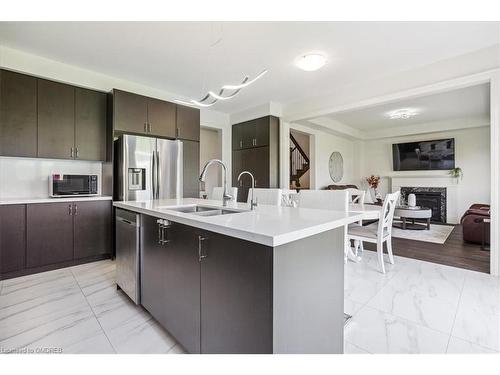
425,155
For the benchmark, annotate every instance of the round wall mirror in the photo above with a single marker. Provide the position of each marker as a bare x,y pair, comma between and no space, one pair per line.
336,166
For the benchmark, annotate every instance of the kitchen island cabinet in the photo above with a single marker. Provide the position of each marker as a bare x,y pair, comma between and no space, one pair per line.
171,279
231,280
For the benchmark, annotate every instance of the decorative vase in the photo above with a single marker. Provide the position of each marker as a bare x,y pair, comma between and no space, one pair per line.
412,200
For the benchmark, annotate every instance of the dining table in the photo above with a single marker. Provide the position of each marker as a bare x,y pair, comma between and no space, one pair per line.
368,212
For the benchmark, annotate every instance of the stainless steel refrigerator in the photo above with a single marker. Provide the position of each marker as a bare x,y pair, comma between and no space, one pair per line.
148,168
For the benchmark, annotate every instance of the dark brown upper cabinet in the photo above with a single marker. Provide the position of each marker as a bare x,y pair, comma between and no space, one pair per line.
254,133
256,149
188,123
130,112
56,120
133,113
161,118
90,125
18,114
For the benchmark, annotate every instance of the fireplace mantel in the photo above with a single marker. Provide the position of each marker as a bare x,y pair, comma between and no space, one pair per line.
433,181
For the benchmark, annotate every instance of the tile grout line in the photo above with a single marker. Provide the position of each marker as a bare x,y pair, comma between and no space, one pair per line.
406,319
456,313
357,346
93,312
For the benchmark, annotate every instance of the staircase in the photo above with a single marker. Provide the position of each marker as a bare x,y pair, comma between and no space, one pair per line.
299,162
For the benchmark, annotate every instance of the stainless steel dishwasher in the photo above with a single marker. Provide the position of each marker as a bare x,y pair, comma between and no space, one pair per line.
127,243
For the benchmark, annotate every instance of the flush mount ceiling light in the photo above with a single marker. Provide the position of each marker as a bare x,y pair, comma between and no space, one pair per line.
402,114
211,97
310,62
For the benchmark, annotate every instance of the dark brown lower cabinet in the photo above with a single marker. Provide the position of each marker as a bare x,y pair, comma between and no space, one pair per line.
42,236
153,261
49,233
236,296
171,280
12,238
220,302
92,228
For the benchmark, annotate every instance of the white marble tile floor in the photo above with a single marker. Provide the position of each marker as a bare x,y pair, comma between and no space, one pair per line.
416,307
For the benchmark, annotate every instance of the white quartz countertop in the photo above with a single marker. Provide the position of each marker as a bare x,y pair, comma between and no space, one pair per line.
267,225
4,201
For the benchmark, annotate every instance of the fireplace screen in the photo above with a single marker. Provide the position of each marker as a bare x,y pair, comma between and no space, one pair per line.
430,197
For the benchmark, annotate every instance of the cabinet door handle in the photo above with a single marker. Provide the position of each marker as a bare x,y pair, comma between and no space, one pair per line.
76,209
254,142
70,209
71,152
177,132
201,256
145,127
159,222
76,152
241,143
150,127
163,225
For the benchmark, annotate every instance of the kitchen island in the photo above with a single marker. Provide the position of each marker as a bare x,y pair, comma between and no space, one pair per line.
234,280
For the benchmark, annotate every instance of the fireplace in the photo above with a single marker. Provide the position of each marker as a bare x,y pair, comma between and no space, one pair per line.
431,197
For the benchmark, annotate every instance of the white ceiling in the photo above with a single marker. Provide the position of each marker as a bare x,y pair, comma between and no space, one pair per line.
177,57
466,103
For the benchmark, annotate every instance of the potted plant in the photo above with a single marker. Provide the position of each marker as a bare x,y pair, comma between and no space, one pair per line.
456,173
373,181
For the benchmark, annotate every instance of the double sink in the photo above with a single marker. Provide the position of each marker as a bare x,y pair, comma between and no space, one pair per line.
202,210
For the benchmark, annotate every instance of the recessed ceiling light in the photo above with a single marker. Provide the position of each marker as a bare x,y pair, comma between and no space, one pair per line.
310,62
402,114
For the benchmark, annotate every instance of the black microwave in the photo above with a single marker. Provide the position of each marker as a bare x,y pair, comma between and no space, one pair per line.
68,185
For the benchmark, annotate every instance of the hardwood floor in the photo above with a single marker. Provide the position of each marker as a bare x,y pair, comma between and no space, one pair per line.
454,252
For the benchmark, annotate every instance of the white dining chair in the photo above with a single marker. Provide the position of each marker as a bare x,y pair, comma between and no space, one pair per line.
287,197
337,200
357,196
217,192
266,196
380,232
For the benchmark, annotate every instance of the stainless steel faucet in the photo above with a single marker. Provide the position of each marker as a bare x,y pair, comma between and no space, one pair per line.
252,202
225,195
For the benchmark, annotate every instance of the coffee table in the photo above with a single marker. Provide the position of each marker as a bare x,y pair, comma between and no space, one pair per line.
405,213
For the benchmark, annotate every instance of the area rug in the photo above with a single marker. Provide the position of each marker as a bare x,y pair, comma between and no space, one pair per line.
437,233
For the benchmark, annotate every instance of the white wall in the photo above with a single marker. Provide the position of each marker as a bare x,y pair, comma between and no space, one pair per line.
211,148
472,154
29,178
